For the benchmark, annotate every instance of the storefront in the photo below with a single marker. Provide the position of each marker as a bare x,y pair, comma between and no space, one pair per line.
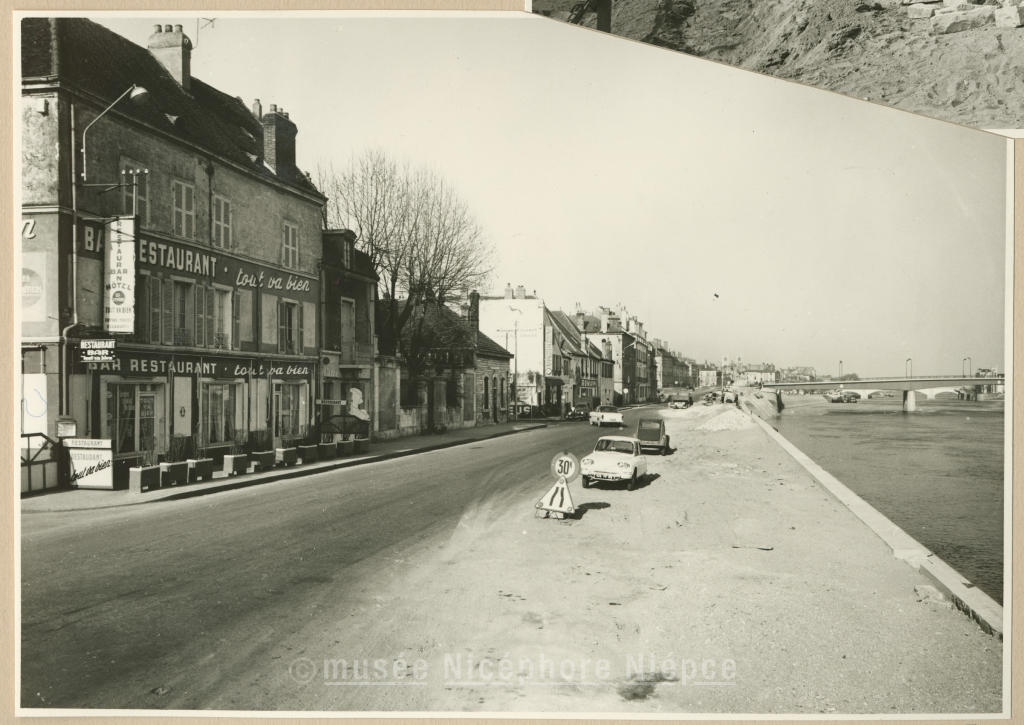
345,401
159,406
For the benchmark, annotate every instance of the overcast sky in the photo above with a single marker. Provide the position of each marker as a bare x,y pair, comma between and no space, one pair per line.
610,171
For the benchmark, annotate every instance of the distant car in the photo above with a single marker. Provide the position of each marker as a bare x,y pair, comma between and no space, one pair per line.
580,412
679,404
651,434
615,458
606,415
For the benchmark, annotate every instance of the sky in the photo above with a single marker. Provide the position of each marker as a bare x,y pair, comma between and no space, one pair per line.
733,213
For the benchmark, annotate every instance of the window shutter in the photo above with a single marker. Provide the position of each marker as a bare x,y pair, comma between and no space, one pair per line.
216,222
210,293
284,244
154,309
189,213
168,316
178,223
280,327
235,320
300,341
200,305
226,217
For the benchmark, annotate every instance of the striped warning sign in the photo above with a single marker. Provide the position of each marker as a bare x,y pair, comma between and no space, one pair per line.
557,499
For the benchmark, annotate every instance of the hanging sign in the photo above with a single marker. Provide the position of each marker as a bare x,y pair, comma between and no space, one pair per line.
96,351
119,276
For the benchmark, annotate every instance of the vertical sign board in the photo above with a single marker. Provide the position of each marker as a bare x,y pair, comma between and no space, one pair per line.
119,282
92,462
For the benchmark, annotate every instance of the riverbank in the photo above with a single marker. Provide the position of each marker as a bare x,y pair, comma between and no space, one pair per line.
731,566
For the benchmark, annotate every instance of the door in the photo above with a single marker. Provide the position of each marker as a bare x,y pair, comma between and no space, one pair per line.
277,415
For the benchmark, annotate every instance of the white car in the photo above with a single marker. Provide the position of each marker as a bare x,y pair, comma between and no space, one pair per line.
606,414
615,458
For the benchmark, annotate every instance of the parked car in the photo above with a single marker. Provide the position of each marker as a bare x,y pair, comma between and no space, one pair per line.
679,404
580,412
651,434
615,458
606,415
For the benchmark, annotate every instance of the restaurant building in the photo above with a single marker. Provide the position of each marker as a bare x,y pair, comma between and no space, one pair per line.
173,221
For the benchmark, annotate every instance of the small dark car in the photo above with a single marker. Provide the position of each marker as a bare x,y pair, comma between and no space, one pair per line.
580,412
651,434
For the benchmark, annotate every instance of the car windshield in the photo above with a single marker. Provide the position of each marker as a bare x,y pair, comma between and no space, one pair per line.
606,444
607,409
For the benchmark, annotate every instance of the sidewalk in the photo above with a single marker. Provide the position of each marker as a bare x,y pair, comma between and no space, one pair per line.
81,499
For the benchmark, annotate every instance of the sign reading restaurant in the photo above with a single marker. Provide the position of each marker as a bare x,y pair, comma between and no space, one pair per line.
144,364
119,282
161,254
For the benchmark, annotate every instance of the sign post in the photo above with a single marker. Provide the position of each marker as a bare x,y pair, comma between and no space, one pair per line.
557,502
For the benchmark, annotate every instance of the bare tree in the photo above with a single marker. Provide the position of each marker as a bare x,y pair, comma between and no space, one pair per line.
422,239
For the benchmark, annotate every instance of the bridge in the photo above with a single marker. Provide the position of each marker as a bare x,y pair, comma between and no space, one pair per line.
929,385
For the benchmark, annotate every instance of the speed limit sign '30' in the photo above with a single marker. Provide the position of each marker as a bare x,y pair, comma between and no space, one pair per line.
565,465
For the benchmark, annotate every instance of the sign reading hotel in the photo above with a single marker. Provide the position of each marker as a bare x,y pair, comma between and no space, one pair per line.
119,282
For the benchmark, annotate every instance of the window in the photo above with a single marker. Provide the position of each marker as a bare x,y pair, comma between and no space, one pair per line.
205,316
287,420
218,411
236,320
289,328
135,192
221,222
502,393
222,319
487,393
290,248
181,319
131,417
184,217
346,255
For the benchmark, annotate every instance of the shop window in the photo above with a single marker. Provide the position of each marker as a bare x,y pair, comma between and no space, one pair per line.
221,222
287,420
131,417
290,247
289,328
135,192
184,216
219,411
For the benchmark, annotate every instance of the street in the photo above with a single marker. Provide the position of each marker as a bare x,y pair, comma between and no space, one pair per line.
186,594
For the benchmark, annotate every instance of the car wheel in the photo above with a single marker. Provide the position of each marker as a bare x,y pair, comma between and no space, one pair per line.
586,481
632,482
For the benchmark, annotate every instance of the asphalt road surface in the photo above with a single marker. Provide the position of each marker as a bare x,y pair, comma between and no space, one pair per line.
163,605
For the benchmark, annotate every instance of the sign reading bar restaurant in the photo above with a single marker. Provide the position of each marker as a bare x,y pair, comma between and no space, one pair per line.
119,276
92,462
96,351
142,364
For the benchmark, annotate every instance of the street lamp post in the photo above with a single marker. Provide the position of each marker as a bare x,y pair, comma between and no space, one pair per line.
138,95
909,363
840,371
970,364
515,384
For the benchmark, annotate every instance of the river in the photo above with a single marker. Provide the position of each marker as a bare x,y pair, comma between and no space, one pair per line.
936,473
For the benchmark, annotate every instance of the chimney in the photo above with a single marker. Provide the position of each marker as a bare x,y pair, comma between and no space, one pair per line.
509,294
174,51
604,321
474,310
257,109
278,140
580,323
520,292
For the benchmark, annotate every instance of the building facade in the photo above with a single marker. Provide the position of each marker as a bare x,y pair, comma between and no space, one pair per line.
171,220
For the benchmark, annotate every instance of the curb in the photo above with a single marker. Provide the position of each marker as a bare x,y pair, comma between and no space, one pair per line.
287,473
965,596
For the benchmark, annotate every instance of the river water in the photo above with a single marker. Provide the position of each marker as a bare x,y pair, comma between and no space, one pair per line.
936,473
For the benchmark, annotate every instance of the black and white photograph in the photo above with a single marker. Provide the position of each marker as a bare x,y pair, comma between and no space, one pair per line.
486,364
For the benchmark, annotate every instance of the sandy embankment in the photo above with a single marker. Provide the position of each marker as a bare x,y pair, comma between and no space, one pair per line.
730,552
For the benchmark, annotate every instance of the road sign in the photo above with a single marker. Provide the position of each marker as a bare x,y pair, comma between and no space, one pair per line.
557,499
565,465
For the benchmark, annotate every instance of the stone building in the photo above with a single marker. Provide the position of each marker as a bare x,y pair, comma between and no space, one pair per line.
169,217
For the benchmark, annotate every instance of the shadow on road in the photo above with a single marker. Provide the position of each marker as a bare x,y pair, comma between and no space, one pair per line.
584,507
642,482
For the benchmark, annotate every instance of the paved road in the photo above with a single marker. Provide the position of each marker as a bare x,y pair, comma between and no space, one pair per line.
180,597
